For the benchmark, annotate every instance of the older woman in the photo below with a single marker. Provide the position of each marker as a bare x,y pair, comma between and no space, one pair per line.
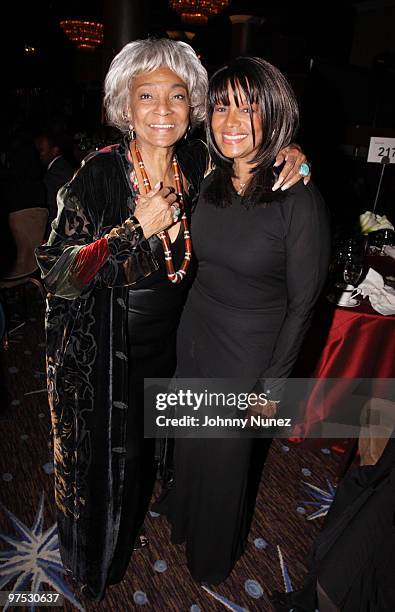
117,268
262,261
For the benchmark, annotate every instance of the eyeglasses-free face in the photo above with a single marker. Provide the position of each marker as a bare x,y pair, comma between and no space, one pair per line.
237,127
159,107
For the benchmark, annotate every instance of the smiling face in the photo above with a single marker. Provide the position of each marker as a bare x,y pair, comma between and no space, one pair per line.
237,127
159,107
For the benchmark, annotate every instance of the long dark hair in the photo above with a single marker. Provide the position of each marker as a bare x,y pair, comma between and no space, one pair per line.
262,84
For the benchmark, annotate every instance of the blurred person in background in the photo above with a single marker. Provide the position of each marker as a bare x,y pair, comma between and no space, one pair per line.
51,148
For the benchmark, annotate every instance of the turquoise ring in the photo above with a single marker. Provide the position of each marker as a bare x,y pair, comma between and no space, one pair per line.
176,212
304,169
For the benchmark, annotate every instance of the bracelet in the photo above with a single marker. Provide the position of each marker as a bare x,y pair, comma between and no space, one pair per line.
135,222
267,393
131,225
127,229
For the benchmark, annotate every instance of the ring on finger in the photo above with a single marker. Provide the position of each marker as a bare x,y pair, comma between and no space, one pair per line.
176,212
304,169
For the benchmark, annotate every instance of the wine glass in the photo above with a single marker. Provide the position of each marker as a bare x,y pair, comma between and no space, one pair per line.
346,249
352,273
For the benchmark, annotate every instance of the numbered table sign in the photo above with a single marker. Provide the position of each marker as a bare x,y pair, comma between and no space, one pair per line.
381,147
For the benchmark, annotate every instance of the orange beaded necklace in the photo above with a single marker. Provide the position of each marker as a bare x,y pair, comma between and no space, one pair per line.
172,275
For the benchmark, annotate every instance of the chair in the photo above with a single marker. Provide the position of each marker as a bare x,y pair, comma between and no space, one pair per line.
27,227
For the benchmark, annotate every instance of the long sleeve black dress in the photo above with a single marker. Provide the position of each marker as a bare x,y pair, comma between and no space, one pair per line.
260,270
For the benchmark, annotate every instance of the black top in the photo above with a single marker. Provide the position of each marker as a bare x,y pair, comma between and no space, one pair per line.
260,271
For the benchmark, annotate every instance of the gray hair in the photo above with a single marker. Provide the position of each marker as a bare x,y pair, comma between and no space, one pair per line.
148,55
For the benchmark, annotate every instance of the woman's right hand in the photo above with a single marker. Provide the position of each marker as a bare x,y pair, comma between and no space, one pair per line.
153,211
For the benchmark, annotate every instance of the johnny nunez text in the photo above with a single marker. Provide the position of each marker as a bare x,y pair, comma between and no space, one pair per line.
237,422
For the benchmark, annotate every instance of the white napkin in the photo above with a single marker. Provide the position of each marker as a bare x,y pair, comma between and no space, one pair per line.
390,251
381,296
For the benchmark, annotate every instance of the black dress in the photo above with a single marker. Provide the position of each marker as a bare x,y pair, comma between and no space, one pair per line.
154,309
260,271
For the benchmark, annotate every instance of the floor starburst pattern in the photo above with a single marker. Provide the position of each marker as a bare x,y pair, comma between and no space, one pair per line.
34,558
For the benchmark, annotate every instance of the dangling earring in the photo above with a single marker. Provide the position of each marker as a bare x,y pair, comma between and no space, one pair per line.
131,132
189,128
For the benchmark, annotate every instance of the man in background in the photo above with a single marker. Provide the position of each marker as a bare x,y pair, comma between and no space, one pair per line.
50,146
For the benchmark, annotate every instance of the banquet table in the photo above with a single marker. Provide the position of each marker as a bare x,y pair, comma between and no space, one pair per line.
345,343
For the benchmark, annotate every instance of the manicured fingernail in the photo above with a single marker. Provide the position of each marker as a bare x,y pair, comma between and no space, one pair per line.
158,184
285,186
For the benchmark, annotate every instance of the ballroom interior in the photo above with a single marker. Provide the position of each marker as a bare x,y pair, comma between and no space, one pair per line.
340,59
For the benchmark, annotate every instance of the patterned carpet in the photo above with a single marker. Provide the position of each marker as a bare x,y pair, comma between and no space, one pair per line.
296,489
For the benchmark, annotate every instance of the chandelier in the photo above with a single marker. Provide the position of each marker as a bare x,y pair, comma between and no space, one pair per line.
198,11
84,34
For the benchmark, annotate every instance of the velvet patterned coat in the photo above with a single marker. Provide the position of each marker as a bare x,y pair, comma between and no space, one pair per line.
87,358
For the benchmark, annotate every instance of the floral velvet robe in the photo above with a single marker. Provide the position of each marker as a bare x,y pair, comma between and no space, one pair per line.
87,360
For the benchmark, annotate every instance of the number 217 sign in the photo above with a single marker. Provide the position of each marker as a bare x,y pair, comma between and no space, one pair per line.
381,147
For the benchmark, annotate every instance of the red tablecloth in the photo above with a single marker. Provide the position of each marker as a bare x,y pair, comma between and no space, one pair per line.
360,344
344,343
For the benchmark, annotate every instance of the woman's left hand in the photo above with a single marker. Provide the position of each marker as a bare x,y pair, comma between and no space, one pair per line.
293,157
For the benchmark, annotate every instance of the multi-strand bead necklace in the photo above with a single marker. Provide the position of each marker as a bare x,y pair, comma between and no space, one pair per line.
172,275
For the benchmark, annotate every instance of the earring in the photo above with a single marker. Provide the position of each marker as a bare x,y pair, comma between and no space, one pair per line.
131,132
189,128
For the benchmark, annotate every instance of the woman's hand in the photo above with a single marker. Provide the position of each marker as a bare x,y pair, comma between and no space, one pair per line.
267,408
293,157
153,211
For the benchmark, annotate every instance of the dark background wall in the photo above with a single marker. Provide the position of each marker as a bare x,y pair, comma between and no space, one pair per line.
339,55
